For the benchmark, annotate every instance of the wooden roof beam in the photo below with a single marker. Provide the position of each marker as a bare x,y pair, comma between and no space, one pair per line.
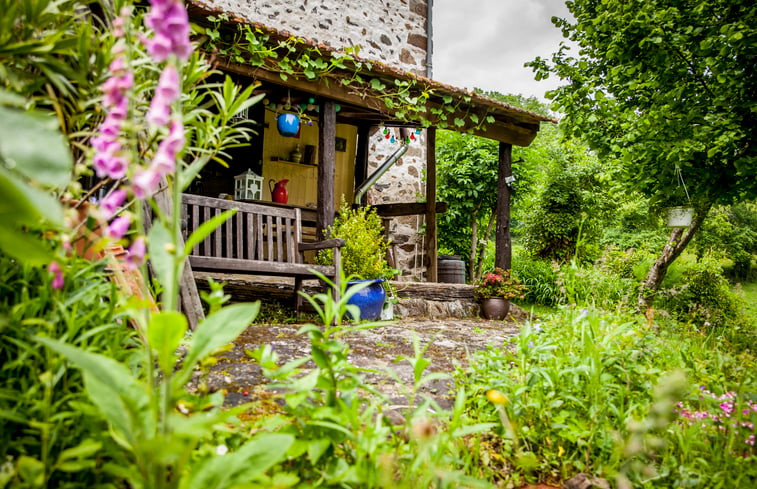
501,130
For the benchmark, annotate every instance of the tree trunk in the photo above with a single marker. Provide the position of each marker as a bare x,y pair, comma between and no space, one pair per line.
679,239
474,243
482,248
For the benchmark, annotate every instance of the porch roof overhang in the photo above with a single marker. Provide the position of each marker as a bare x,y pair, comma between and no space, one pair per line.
363,104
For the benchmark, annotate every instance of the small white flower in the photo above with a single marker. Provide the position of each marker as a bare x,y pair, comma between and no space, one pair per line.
222,449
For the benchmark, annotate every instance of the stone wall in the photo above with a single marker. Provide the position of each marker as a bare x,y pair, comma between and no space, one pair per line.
391,31
403,182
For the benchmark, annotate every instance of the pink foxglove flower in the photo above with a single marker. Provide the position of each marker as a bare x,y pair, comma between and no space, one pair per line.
167,92
118,227
145,183
164,162
136,253
175,141
169,85
170,22
110,204
57,271
159,113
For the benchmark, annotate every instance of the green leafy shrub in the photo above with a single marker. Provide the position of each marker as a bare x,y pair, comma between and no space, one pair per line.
47,427
731,230
564,214
702,296
539,277
364,251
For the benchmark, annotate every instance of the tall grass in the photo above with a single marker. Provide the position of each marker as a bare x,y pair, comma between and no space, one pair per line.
581,396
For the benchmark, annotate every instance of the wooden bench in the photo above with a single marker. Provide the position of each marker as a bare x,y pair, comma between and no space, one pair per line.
257,240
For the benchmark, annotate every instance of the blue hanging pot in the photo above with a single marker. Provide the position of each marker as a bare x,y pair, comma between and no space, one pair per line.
288,124
370,300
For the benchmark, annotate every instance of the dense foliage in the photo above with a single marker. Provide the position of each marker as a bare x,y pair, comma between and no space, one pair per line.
665,88
609,395
46,421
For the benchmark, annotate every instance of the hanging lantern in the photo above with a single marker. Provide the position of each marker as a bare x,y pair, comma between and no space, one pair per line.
248,186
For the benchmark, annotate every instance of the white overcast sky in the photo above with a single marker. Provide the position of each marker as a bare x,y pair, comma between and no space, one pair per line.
484,43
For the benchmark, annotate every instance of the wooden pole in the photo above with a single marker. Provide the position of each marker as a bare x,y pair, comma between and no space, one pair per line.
326,167
503,253
431,234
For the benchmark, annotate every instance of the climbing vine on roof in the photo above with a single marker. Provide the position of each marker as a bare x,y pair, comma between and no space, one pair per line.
408,100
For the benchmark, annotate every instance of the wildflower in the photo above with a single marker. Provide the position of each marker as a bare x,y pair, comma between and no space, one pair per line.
118,227
166,93
114,88
165,158
136,253
222,450
109,164
169,20
727,408
57,271
750,440
110,204
145,183
496,397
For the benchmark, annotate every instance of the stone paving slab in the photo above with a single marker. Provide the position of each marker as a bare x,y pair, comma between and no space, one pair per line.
449,343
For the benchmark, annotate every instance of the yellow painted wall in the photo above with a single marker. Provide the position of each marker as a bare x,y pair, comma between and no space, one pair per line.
303,179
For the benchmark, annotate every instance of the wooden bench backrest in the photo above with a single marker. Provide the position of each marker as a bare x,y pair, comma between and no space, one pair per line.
255,232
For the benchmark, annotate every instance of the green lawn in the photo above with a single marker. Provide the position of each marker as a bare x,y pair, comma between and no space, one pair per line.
750,294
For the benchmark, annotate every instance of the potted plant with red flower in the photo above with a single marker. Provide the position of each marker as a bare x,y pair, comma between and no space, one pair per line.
495,290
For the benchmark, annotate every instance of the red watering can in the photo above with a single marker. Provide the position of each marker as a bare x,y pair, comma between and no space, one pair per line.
279,192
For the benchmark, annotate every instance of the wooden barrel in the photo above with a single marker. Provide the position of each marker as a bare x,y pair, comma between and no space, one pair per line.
451,269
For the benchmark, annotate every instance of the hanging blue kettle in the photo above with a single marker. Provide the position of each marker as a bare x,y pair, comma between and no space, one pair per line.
288,124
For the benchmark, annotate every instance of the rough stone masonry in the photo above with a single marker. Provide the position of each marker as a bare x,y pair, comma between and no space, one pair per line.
391,31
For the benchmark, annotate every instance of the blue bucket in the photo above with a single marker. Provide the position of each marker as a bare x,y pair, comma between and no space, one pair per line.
370,299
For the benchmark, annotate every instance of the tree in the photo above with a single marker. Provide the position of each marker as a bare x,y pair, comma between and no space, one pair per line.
564,212
467,167
667,87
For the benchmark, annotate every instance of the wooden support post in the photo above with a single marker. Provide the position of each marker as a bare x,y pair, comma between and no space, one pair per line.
361,155
432,274
326,167
503,253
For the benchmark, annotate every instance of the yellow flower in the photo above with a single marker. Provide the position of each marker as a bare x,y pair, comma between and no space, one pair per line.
496,397
560,451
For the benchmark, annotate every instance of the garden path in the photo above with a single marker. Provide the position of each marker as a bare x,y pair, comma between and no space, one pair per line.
449,344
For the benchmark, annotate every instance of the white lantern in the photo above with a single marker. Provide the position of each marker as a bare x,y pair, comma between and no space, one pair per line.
248,186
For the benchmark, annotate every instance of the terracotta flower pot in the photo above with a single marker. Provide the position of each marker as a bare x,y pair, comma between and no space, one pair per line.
495,308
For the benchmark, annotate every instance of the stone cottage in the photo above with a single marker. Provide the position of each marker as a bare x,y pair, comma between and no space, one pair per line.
390,42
